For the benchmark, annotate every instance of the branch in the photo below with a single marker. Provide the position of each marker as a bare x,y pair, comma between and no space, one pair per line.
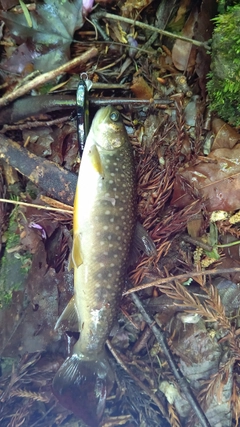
183,384
46,77
99,15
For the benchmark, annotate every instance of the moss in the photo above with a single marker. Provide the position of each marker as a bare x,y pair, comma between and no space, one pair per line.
14,266
224,79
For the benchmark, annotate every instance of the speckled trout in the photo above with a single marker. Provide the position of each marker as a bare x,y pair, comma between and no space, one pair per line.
103,225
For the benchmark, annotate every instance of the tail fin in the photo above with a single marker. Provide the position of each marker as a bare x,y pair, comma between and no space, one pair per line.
83,385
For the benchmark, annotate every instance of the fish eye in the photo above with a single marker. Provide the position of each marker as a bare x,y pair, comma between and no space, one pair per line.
114,116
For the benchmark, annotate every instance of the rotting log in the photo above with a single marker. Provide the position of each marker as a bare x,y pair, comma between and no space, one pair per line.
54,180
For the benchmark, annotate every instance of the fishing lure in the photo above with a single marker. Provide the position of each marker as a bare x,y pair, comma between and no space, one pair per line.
82,104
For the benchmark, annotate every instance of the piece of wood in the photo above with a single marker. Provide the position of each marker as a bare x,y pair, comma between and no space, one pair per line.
55,181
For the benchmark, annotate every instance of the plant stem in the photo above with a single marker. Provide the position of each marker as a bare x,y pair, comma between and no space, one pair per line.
100,15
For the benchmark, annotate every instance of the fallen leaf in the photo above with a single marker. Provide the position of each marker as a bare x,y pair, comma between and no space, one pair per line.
184,53
47,42
141,89
225,135
218,182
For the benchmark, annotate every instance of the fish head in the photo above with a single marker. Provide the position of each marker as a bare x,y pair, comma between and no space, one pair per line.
108,130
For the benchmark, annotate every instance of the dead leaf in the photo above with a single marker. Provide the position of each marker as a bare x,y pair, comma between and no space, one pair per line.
218,182
184,53
47,42
225,135
141,89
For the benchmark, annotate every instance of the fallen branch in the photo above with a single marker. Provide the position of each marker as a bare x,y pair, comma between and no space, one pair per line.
46,77
180,277
54,180
99,15
183,384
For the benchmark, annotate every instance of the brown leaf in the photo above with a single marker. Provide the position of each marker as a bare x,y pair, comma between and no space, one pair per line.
184,53
141,89
218,182
225,135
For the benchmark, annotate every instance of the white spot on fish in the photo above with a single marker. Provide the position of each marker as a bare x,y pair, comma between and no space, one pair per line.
111,219
109,274
107,212
105,227
109,237
102,243
95,315
112,264
110,181
117,227
102,264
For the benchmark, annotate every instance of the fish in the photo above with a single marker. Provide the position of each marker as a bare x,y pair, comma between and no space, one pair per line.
104,223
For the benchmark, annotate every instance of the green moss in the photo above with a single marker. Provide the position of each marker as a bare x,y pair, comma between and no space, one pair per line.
224,79
14,265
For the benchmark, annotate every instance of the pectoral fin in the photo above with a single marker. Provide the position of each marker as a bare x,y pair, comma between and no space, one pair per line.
142,242
75,259
69,317
95,159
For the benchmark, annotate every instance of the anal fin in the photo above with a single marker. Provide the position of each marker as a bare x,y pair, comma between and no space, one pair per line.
69,317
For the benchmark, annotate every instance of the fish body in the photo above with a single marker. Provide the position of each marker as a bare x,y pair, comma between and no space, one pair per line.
103,227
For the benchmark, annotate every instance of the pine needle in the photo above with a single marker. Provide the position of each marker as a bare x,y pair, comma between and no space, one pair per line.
29,395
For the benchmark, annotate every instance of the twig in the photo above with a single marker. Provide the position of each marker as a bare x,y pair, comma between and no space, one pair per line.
180,277
44,415
99,15
35,124
197,242
35,105
137,380
32,205
46,77
183,384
